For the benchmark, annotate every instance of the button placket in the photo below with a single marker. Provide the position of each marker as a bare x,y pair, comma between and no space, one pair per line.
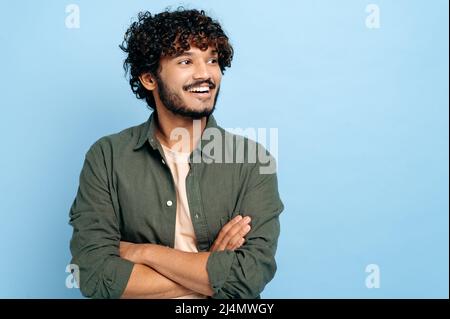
194,199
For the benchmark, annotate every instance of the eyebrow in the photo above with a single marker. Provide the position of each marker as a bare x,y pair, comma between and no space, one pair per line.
213,52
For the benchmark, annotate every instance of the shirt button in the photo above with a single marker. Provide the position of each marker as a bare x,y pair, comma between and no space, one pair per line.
196,216
169,203
162,160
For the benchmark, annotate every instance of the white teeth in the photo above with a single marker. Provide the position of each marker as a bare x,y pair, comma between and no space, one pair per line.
200,89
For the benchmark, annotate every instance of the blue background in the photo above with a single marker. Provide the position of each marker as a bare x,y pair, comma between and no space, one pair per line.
362,116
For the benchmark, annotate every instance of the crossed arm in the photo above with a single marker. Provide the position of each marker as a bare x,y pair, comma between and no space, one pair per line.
163,272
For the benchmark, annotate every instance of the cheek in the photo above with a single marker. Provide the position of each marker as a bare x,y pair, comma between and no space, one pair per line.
177,87
218,77
174,79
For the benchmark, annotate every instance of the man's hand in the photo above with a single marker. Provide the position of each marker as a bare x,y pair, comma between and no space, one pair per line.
132,252
231,236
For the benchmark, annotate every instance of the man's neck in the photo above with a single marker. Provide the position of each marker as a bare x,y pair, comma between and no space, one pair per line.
167,124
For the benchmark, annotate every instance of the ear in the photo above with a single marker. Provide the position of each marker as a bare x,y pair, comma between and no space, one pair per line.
148,81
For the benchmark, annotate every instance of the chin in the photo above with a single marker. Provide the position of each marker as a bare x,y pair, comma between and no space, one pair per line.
198,107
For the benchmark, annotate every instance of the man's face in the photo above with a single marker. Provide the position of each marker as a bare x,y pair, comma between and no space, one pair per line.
189,84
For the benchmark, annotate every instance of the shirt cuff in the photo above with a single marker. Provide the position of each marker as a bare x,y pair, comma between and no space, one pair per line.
218,267
117,274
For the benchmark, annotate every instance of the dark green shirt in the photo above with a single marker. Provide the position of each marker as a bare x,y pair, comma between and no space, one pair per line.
126,192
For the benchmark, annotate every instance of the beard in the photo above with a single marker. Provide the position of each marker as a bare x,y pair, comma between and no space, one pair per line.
174,103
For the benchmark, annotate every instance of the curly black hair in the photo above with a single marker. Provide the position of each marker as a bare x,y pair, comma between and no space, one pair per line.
169,33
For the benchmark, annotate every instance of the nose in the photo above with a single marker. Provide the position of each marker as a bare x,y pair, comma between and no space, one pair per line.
201,71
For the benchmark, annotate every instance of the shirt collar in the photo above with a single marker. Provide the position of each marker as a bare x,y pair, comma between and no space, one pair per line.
147,132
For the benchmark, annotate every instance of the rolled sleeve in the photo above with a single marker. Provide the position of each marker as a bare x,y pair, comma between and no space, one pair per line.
245,272
96,236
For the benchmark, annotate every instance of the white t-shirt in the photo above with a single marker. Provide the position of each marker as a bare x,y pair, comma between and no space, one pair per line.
185,238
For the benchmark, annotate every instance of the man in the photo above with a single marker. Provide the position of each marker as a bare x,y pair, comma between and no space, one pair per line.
159,216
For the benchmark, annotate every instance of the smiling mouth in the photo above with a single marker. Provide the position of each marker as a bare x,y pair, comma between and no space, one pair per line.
201,92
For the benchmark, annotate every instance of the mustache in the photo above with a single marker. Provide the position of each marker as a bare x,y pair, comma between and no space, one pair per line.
210,83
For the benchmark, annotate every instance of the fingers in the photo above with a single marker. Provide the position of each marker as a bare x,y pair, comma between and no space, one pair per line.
225,229
239,244
229,225
238,231
232,234
238,238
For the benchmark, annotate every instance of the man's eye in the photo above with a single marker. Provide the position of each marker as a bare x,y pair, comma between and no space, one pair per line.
213,61
184,62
